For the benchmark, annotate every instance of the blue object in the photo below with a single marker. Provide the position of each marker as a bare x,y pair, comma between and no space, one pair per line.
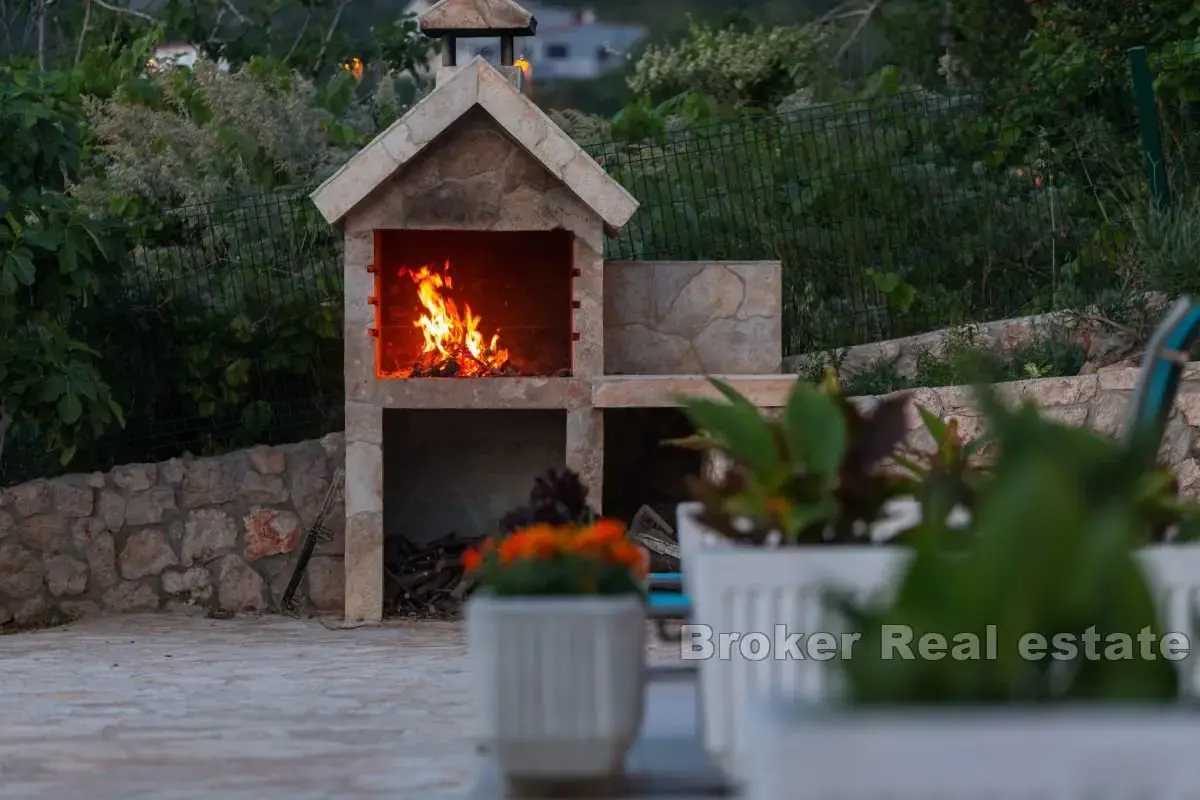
666,598
1162,369
669,605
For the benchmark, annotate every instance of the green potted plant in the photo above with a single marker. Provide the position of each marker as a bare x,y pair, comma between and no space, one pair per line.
796,507
1054,637
556,634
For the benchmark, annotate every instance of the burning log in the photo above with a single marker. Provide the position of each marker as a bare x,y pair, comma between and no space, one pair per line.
451,367
426,579
454,344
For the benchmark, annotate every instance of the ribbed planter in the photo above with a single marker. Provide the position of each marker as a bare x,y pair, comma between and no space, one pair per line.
776,592
558,687
998,753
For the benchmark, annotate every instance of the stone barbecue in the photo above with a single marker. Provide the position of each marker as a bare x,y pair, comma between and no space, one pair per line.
486,339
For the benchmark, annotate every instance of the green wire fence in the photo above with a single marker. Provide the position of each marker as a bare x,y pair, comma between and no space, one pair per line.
892,215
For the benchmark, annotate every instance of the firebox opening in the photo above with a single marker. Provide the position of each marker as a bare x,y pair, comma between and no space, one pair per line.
449,475
454,303
638,468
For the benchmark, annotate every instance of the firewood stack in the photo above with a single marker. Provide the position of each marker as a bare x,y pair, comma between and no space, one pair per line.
426,579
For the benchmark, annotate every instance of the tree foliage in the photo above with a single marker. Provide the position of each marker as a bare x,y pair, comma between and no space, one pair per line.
54,262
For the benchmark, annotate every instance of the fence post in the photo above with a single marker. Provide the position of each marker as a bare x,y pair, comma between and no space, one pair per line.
1147,108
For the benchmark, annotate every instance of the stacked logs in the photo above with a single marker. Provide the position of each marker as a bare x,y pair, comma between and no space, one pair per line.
426,579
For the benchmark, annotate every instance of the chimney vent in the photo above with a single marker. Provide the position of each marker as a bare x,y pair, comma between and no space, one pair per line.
451,20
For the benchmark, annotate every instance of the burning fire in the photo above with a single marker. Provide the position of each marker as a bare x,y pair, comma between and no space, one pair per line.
454,346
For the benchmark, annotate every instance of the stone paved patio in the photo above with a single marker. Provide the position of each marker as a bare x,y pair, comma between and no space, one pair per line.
175,706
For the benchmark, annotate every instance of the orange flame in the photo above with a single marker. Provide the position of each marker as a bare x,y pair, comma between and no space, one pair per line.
355,67
450,336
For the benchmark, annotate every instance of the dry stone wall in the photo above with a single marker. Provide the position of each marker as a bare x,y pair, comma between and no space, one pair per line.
1099,401
214,533
220,533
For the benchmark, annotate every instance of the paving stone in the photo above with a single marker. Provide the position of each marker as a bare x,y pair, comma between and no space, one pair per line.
179,707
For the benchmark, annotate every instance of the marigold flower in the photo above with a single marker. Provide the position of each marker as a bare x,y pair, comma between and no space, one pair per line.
608,529
472,559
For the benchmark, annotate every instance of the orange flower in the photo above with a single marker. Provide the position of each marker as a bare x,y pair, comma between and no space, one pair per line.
607,529
538,541
628,554
472,559
595,539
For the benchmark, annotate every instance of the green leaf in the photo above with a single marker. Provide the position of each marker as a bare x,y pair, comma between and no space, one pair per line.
70,408
815,430
936,426
19,265
66,256
740,430
54,388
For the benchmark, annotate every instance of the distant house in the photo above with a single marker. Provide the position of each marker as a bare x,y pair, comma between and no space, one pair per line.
569,43
180,55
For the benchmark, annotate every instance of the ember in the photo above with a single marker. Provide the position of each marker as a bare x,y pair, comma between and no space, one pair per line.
454,346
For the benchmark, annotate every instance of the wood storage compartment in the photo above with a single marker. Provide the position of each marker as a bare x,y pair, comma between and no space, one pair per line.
454,303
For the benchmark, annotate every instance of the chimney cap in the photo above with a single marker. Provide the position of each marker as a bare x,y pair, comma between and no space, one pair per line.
469,19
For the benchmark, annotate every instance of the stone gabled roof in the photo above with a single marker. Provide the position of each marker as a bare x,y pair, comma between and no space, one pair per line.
476,84
476,17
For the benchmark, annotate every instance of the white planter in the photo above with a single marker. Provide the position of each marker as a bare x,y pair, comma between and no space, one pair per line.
558,684
779,592
1001,754
1174,572
693,537
772,593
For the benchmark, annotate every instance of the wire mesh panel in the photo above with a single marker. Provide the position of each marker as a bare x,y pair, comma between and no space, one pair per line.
893,215
222,329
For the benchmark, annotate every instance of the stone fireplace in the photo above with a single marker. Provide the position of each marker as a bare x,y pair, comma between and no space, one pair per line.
485,336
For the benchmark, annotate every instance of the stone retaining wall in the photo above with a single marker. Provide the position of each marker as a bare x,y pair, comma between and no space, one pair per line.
1105,345
215,533
219,533
1098,401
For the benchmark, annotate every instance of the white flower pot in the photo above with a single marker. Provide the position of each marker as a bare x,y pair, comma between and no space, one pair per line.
693,537
778,592
558,684
1000,753
755,592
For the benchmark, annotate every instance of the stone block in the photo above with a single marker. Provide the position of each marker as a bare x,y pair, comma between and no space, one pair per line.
29,498
72,496
685,318
270,532
208,533
191,586
21,572
135,477
150,506
239,587
66,576
211,481
101,554
146,553
46,533
364,478
364,567
326,578
130,596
